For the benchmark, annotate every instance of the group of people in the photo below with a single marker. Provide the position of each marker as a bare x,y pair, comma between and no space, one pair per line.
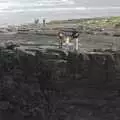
68,38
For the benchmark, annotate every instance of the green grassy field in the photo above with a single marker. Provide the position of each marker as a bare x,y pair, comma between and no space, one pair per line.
101,22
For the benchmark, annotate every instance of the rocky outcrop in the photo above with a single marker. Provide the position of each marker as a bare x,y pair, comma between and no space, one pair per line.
54,84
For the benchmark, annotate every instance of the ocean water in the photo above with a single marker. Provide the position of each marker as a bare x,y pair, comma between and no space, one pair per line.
23,11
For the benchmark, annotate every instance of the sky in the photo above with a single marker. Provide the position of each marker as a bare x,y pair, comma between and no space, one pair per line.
19,11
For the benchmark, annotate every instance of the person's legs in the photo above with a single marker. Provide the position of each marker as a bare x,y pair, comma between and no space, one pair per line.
76,44
60,43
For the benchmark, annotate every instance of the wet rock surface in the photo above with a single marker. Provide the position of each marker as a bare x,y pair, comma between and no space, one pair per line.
52,84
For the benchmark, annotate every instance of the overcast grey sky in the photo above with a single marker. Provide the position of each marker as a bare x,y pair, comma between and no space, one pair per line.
19,4
19,11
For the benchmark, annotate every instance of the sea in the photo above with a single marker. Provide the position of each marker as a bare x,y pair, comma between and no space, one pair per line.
25,11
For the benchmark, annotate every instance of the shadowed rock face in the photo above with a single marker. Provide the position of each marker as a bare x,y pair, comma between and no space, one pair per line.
51,84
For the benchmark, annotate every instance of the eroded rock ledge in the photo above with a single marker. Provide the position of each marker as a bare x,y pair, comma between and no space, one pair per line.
53,84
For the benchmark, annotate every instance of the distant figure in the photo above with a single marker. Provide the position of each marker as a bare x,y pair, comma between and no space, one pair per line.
66,36
36,21
44,22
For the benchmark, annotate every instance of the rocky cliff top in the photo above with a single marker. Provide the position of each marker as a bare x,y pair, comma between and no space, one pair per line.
51,83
